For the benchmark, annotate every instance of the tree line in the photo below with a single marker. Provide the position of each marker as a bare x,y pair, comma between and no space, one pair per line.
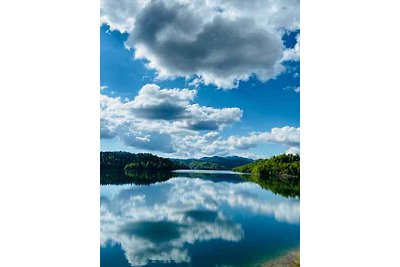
141,161
276,166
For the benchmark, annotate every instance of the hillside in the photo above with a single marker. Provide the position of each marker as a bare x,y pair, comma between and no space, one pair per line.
195,164
280,174
281,165
145,161
141,161
229,162
214,163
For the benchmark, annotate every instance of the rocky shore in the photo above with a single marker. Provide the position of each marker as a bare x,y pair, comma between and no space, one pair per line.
291,259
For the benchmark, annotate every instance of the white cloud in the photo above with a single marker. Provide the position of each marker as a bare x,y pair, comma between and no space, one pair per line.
148,140
293,54
215,145
165,120
120,14
278,14
221,52
286,135
112,116
156,118
152,102
293,150
208,118
213,42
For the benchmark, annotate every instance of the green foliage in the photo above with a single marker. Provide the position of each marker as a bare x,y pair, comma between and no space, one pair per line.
229,162
214,163
202,165
141,161
282,165
145,161
280,174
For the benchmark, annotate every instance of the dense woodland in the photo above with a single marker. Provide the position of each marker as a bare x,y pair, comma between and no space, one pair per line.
195,164
276,166
141,161
280,174
214,163
146,161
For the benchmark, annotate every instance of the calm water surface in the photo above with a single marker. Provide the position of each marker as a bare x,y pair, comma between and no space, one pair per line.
195,219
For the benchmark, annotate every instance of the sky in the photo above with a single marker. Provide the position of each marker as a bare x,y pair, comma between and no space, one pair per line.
200,78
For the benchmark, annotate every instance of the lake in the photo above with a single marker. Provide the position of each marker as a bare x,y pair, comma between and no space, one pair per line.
195,218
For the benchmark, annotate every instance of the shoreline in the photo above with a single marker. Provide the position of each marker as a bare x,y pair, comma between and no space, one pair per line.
289,259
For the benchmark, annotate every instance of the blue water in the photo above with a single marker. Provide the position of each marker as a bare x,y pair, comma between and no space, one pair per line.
189,221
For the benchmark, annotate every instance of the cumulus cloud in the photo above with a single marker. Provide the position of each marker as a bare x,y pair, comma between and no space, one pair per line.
293,54
134,216
210,119
150,120
278,14
213,42
112,116
287,136
120,14
293,150
148,140
167,121
152,102
222,52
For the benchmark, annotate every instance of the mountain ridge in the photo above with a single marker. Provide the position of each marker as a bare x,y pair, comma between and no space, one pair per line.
214,162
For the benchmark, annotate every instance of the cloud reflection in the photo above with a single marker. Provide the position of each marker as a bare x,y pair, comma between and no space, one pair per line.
158,222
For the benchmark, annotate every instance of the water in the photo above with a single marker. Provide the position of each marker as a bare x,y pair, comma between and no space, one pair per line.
196,219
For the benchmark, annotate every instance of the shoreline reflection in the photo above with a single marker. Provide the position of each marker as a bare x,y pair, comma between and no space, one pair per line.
159,223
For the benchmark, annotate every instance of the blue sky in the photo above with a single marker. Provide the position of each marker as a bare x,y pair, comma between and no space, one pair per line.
244,111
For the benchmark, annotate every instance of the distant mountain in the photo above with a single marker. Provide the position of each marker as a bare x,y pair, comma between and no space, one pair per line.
145,161
196,164
215,162
229,162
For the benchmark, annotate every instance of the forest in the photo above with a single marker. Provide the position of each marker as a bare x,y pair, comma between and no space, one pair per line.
280,174
276,166
214,163
140,161
145,161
